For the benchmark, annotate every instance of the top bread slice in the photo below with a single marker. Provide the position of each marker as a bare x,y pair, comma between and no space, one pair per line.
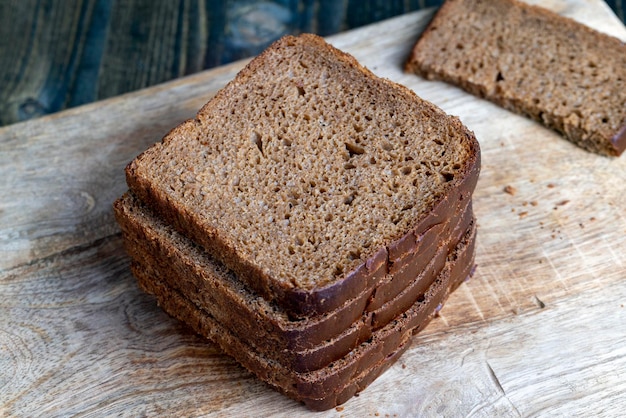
306,171
534,62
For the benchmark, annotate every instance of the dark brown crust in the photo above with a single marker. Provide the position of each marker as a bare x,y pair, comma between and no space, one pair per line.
601,141
402,273
619,141
360,383
321,300
415,289
305,345
335,384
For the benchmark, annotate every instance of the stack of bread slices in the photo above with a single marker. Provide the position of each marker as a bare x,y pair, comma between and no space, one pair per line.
309,220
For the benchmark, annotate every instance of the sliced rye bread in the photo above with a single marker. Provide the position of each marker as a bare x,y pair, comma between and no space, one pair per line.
306,344
303,345
533,62
336,383
308,176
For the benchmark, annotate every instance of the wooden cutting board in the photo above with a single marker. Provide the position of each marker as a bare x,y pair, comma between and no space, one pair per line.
539,330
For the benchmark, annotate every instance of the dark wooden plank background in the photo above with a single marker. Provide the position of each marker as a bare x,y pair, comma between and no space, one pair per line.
56,54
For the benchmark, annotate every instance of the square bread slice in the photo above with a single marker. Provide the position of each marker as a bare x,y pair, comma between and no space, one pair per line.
308,176
534,62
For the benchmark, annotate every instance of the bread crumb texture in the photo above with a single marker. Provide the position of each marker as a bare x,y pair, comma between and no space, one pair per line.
306,164
534,62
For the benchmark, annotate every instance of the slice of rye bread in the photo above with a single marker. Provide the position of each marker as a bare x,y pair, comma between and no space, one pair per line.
534,62
303,345
336,383
306,173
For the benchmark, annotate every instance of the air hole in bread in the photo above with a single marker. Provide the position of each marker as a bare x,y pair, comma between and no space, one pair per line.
299,240
354,255
354,149
448,177
338,270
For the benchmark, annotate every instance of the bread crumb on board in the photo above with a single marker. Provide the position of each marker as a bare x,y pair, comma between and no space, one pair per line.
510,190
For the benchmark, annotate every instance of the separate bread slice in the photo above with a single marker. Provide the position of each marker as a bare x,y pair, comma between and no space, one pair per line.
336,383
307,175
303,345
534,62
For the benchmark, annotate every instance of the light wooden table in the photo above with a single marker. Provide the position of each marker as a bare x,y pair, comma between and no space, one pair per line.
540,329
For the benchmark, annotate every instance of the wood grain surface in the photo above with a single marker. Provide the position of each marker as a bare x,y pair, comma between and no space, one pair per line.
539,330
58,54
